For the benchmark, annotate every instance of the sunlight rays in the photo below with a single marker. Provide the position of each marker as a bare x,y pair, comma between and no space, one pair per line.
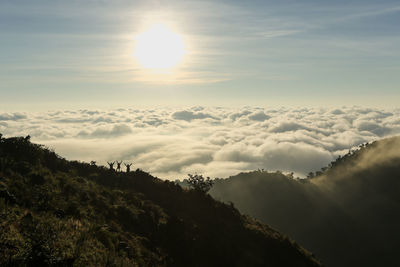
159,48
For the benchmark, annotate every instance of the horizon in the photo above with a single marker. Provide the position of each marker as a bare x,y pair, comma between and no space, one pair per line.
326,71
216,142
252,133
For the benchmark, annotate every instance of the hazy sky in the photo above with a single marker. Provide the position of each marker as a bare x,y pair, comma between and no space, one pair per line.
63,54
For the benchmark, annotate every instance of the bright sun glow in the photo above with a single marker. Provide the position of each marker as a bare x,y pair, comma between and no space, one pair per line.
159,48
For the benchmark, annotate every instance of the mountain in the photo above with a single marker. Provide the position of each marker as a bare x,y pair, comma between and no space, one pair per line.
348,214
63,213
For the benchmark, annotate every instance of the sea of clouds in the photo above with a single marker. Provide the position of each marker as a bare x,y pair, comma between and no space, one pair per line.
216,142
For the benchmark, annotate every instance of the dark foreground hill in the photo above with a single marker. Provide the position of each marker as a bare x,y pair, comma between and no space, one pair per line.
63,213
348,215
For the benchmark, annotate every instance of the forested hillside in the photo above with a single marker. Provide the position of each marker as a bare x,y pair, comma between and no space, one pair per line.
68,213
348,213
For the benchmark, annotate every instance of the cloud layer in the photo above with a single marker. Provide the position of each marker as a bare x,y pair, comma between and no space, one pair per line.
217,142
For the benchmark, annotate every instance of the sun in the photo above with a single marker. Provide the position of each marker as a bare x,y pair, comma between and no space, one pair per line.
159,48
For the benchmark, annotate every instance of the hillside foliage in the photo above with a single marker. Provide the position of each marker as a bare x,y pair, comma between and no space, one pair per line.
348,214
55,212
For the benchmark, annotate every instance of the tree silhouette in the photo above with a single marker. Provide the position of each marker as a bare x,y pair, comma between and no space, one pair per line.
198,183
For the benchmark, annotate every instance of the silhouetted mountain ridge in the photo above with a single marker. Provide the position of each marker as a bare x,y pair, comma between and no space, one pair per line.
348,214
59,212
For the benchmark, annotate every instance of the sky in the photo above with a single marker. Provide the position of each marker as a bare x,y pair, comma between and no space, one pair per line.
286,85
80,54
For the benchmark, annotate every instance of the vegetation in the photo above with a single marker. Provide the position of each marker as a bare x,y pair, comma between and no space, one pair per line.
69,213
348,215
350,156
197,182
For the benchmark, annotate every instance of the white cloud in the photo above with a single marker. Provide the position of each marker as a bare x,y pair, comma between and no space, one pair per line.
189,115
12,116
287,127
217,142
107,132
259,116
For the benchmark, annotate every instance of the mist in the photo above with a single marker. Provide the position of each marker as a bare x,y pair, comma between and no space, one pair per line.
348,215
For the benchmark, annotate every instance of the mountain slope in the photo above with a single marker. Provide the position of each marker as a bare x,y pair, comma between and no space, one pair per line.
348,215
58,212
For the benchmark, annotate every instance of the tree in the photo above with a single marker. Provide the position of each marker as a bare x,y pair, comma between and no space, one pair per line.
198,183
